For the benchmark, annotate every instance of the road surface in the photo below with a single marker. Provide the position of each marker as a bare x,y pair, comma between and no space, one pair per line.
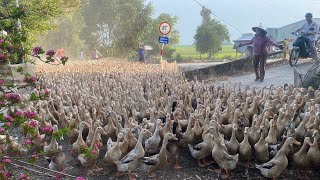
274,76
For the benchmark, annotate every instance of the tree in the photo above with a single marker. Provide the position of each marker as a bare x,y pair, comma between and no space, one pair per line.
66,34
153,34
115,26
210,35
36,18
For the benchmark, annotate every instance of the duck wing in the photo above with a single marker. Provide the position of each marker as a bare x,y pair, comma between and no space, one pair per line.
152,160
267,165
128,158
109,144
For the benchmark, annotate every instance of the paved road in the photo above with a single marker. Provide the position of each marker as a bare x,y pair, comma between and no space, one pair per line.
275,76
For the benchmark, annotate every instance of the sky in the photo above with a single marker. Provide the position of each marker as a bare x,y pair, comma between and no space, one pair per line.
241,14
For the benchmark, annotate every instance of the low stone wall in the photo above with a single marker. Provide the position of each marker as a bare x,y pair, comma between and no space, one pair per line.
226,69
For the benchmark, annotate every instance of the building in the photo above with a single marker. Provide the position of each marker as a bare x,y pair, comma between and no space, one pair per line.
244,38
276,34
279,34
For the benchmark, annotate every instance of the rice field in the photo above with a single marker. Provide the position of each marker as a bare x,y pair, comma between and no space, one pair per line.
188,52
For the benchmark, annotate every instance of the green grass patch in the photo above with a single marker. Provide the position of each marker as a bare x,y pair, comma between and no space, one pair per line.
190,53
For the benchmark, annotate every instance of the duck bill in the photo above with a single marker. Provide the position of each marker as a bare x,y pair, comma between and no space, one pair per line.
86,124
295,142
310,144
175,138
149,133
208,130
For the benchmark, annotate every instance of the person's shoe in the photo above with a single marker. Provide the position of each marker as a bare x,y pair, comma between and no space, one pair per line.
257,79
261,80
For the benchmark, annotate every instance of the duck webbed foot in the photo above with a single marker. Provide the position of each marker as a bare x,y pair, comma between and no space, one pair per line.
226,176
131,176
176,166
200,163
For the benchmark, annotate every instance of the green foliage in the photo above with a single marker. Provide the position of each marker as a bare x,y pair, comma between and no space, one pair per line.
87,152
35,17
66,34
189,53
61,132
115,26
210,35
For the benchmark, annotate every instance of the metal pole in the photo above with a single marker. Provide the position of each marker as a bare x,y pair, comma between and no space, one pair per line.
161,53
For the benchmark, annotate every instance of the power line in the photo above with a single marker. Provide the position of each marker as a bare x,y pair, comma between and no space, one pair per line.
283,11
218,16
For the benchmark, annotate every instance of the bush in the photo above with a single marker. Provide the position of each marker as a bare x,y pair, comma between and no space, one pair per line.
178,58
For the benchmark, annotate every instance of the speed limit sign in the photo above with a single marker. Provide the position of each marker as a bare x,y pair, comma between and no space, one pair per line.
165,28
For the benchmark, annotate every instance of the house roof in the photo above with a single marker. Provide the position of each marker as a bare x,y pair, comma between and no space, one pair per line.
245,37
316,19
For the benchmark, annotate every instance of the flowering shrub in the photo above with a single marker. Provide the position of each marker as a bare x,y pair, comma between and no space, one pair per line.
22,127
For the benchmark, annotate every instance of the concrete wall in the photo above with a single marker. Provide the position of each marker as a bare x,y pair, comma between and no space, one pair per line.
226,69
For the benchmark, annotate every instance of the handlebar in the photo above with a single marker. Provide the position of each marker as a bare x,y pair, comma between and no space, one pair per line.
299,34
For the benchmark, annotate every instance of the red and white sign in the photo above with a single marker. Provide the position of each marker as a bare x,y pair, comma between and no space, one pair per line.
164,28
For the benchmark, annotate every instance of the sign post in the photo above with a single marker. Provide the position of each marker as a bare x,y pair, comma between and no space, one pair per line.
164,29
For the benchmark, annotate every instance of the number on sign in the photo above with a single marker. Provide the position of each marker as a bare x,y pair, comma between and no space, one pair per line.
164,28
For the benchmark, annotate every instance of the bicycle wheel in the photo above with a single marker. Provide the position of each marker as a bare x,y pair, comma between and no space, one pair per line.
294,56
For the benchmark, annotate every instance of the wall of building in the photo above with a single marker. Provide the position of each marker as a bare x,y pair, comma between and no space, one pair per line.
279,34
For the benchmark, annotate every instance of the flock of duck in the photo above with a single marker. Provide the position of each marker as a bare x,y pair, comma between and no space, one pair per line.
145,118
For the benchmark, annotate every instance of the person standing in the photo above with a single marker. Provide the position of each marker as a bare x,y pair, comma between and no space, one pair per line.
141,53
97,54
81,55
260,43
310,28
60,52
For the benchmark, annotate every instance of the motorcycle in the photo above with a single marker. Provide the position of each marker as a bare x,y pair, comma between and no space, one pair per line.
301,48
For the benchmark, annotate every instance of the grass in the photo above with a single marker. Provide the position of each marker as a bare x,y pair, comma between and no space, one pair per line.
190,53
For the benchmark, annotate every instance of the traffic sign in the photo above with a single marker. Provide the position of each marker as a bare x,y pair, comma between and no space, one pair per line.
164,28
164,40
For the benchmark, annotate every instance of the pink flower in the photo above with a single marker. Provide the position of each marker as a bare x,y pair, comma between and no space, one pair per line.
6,95
3,57
2,129
19,113
30,114
4,72
47,129
8,118
30,79
1,82
33,123
24,177
51,53
46,91
10,48
80,178
8,124
5,174
37,50
12,97
27,142
2,41
7,161
2,103
35,156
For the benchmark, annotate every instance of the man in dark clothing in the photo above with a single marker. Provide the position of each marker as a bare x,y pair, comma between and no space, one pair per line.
141,54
